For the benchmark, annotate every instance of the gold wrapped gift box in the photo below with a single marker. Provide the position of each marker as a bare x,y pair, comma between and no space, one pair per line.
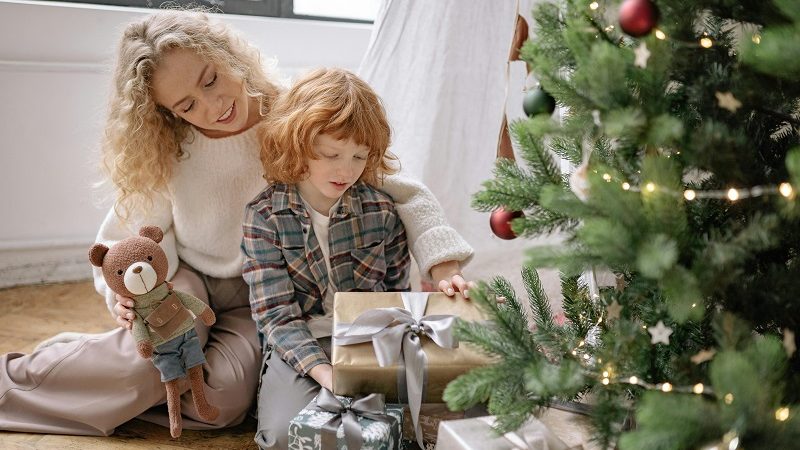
356,369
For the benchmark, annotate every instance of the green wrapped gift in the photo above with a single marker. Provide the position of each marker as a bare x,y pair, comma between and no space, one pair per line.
361,423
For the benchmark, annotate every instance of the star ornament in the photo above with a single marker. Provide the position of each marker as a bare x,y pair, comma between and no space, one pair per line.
703,356
659,333
788,342
613,310
727,101
642,55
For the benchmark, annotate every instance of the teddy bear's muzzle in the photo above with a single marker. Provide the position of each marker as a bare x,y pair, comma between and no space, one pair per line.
140,278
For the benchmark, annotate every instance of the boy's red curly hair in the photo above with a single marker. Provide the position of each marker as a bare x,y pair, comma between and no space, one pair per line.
326,101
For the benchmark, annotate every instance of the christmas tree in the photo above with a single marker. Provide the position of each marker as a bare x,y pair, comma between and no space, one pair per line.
682,119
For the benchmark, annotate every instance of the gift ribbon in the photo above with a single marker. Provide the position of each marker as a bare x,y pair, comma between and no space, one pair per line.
370,407
532,439
394,333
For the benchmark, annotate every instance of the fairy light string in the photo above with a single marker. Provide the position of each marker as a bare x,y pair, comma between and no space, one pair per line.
733,194
704,41
582,353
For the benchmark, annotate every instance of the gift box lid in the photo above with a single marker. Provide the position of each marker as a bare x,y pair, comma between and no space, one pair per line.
305,427
477,434
348,306
356,368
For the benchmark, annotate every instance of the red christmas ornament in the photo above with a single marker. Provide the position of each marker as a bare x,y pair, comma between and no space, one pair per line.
500,222
638,17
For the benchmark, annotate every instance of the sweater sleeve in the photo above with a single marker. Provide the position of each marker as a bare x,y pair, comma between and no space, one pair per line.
114,230
432,240
139,330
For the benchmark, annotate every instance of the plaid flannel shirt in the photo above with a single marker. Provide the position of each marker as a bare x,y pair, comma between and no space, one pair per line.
285,267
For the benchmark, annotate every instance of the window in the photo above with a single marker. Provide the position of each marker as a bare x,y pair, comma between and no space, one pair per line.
359,11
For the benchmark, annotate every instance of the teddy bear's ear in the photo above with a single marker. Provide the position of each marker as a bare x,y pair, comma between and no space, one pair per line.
97,253
152,232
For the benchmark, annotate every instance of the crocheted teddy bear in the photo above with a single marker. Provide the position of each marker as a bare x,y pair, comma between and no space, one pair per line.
163,328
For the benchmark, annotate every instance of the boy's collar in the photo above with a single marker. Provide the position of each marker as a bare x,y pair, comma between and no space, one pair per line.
286,196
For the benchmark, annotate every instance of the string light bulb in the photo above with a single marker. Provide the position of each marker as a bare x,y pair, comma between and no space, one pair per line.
626,186
782,414
594,5
633,380
785,189
733,194
728,398
689,194
666,387
756,38
650,187
698,388
606,381
660,34
706,42
607,177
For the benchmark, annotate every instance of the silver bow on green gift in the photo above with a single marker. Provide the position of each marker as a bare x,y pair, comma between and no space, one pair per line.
372,407
394,333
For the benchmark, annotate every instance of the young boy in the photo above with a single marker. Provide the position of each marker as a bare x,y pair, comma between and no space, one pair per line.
319,228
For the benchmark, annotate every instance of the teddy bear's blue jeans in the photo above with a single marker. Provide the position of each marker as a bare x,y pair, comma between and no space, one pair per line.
173,358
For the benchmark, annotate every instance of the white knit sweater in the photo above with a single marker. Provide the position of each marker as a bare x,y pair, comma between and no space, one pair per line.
202,210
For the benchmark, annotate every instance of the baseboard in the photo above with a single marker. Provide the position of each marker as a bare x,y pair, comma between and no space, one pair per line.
44,263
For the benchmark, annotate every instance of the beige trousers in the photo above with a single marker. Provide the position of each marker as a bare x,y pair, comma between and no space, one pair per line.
92,385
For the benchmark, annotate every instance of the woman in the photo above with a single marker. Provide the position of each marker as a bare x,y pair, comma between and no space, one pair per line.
181,150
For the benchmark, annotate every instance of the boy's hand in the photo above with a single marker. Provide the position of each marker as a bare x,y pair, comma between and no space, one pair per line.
448,279
322,374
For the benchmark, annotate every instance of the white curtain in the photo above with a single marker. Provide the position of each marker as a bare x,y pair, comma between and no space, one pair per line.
440,67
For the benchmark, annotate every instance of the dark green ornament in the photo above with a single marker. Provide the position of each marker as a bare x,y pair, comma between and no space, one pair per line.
538,101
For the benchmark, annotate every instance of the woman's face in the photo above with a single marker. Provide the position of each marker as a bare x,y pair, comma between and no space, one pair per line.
197,91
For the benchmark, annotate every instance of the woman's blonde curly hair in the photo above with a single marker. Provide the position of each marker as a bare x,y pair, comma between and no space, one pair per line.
142,140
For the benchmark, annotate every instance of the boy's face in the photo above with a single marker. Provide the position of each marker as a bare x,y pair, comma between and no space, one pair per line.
339,165
200,93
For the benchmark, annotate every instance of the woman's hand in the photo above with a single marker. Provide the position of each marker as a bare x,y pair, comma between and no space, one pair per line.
123,311
447,277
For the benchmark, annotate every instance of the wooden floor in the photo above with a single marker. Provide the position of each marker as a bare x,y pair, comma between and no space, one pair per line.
30,314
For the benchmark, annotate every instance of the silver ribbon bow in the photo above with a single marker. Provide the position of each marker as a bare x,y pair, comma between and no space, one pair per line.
394,333
371,407
532,437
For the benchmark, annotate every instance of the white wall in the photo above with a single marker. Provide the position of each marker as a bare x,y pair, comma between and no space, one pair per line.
55,63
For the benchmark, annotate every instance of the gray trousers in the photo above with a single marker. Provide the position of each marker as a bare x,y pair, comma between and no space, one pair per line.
282,394
96,383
